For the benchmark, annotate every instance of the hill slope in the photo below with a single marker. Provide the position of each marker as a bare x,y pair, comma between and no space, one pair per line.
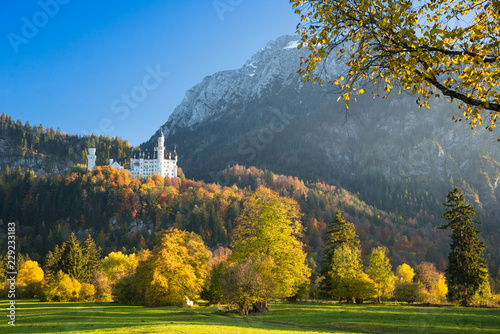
45,150
120,211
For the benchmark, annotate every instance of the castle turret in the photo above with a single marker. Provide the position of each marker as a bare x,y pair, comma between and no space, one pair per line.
161,153
91,158
161,145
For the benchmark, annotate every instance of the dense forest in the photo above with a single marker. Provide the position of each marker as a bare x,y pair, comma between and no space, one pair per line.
57,148
124,213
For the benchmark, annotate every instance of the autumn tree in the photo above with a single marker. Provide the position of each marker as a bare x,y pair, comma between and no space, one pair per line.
339,233
212,291
405,289
269,226
466,271
380,270
404,273
61,287
117,265
177,268
348,281
426,47
433,282
29,278
249,282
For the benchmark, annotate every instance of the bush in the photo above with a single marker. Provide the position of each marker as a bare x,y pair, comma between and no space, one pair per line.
127,292
102,287
87,292
213,289
483,296
496,299
29,279
410,292
60,288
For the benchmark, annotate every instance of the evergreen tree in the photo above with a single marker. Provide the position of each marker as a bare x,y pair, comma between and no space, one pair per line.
339,233
92,255
53,258
72,261
466,271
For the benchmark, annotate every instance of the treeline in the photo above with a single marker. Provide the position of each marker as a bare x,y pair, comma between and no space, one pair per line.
266,261
32,140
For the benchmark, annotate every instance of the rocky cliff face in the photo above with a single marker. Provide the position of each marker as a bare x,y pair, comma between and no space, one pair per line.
263,115
11,156
216,94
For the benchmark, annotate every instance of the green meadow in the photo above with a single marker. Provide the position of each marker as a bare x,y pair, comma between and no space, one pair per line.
33,316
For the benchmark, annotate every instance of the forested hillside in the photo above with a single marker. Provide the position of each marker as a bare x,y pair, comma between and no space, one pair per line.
123,212
46,150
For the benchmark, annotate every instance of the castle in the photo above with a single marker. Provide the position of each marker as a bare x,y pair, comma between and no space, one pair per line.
144,163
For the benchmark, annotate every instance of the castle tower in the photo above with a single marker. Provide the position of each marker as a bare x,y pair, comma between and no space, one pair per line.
161,153
91,159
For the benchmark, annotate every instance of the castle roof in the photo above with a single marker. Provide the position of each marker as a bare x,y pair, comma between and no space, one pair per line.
152,155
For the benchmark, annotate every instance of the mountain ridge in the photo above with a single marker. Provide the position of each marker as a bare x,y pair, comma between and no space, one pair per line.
224,120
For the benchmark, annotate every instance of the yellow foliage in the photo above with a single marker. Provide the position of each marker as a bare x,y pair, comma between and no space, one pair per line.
29,273
269,225
117,265
441,289
404,273
451,46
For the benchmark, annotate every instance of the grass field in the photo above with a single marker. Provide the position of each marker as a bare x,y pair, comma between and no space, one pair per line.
36,317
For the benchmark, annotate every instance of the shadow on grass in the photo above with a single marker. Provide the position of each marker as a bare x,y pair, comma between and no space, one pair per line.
36,317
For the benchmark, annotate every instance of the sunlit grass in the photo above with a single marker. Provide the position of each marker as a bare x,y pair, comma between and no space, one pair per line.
36,317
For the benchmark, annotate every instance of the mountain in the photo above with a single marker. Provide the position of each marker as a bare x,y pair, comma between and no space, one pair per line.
396,155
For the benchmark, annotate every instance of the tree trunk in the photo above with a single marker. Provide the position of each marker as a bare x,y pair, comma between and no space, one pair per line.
466,299
260,307
243,309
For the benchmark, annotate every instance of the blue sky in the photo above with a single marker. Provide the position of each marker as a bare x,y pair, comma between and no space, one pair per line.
120,67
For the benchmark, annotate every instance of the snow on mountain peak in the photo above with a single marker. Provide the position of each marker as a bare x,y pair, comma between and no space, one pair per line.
292,45
279,60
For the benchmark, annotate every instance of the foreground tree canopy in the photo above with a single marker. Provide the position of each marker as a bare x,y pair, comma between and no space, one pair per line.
268,231
424,46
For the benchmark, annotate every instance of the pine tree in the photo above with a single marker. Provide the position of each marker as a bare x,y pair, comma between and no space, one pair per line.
466,270
339,233
72,261
92,255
